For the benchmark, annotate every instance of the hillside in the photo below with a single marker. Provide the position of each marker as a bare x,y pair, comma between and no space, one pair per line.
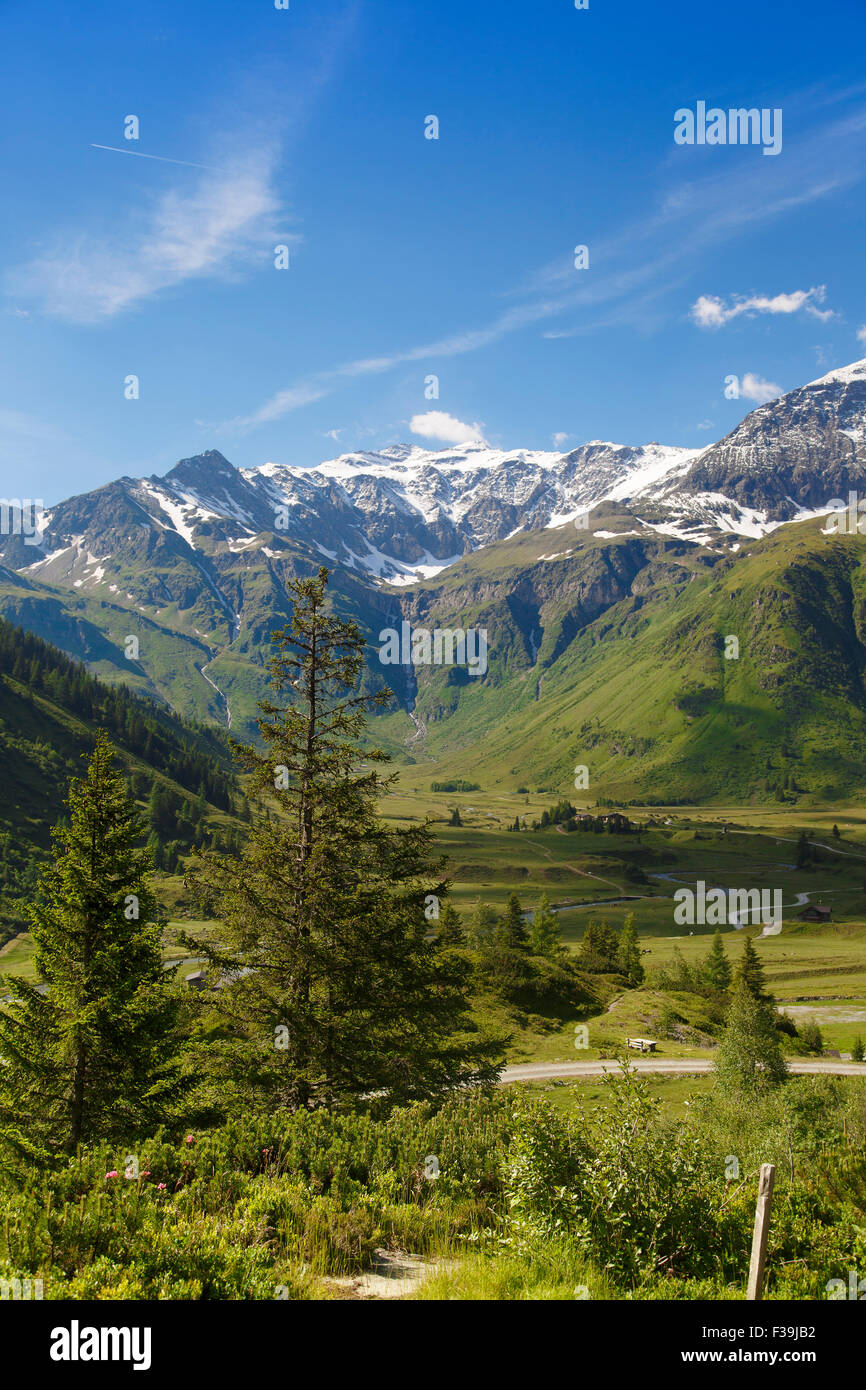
49,710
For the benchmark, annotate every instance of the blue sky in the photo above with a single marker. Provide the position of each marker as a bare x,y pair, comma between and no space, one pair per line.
412,256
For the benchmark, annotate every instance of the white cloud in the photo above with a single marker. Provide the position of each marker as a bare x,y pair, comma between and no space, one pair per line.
438,424
861,334
754,388
687,221
226,218
559,439
711,312
704,425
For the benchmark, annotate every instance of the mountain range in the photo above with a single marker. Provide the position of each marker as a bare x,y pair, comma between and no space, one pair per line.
606,578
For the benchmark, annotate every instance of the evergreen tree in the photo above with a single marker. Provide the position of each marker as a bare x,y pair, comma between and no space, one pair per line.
544,934
750,971
629,953
451,929
512,930
804,851
91,1058
599,949
332,991
716,968
749,1058
455,817
857,1050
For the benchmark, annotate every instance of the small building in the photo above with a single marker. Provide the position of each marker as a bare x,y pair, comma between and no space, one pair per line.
197,980
815,912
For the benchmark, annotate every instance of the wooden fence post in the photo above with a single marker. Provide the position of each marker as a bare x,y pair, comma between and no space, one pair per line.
762,1227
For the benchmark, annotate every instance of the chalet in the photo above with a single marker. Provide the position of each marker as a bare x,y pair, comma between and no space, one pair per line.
815,912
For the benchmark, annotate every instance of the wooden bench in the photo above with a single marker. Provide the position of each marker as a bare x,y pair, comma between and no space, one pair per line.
641,1044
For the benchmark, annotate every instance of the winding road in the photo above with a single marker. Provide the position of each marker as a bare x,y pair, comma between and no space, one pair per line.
668,1066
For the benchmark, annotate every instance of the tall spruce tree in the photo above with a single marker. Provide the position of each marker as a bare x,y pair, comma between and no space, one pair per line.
629,953
451,929
91,1056
716,968
545,937
332,991
750,971
512,929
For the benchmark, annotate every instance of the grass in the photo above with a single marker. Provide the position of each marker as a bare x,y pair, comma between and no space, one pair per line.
806,964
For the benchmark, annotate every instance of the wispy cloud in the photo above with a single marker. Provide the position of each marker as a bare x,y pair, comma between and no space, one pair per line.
861,334
638,265
225,219
438,424
710,312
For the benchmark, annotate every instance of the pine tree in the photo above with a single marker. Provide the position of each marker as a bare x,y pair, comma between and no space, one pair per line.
599,948
333,991
544,934
91,1058
629,953
749,1058
857,1050
716,968
451,929
512,930
804,851
750,971
455,817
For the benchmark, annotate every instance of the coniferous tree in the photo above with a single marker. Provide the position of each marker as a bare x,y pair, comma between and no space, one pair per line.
750,971
93,1056
599,949
512,932
332,991
451,929
716,968
749,1058
629,953
455,817
544,933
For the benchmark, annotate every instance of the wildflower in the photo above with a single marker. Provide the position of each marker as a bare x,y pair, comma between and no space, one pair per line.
160,1187
189,1139
113,1174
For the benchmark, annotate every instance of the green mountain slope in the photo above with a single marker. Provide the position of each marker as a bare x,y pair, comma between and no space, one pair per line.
613,656
49,710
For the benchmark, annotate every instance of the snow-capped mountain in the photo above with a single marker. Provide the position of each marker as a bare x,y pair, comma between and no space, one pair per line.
404,513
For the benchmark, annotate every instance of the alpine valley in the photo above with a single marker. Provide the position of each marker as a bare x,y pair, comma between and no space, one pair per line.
607,580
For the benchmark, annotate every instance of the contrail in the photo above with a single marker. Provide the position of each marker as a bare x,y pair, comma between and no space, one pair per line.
161,157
